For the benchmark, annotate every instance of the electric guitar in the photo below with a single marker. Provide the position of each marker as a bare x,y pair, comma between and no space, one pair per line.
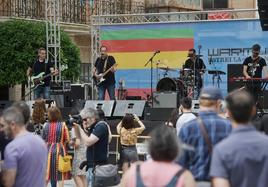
100,79
38,80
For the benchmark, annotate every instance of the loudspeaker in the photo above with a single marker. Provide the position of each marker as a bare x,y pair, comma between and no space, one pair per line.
106,106
263,13
78,91
157,114
129,106
58,98
65,112
4,105
263,100
165,99
195,106
234,70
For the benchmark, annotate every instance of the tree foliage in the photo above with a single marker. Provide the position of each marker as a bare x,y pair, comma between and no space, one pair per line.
19,42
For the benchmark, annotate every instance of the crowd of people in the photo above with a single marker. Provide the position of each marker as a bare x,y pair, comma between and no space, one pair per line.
217,147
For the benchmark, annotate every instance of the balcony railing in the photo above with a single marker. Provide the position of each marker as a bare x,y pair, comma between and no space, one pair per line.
173,4
72,11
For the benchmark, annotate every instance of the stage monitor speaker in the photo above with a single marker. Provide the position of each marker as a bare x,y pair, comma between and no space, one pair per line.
157,114
4,105
165,100
263,13
58,98
195,106
129,106
234,70
106,106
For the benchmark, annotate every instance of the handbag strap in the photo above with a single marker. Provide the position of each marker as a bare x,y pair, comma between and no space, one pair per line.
205,134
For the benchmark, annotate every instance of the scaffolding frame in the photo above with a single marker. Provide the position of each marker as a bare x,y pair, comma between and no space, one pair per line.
52,17
148,18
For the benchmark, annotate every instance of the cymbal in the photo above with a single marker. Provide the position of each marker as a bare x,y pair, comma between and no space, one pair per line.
186,69
167,69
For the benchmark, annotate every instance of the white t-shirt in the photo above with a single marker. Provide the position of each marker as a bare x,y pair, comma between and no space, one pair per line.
184,118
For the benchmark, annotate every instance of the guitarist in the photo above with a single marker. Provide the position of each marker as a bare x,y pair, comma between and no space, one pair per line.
102,64
253,66
38,66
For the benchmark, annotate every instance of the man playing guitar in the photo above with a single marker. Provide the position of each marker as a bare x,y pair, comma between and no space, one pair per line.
253,66
39,66
104,67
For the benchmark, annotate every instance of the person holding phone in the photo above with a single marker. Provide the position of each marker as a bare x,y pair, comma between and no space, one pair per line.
128,132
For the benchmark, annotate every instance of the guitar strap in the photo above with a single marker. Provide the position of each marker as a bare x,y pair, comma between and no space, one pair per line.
105,64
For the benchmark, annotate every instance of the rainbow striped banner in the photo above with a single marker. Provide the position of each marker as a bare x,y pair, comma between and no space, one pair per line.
133,45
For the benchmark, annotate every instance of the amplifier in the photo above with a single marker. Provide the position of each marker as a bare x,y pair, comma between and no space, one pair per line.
165,100
157,114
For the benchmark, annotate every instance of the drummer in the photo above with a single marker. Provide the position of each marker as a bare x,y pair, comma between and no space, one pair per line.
194,62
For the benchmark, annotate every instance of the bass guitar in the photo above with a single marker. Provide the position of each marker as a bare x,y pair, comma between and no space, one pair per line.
38,80
98,80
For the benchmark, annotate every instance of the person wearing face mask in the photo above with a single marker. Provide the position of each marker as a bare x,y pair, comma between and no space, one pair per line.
104,74
195,64
253,66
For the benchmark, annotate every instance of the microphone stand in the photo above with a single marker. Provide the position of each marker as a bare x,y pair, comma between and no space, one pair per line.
196,75
151,62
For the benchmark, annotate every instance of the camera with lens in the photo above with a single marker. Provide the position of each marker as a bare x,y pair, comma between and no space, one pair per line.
74,119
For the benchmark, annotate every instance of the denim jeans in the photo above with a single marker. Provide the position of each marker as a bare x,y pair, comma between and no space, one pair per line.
42,90
90,177
102,89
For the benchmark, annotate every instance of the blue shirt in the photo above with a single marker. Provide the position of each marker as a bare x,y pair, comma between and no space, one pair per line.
242,158
198,161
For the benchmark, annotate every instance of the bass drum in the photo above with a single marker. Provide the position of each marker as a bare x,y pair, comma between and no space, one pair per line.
168,84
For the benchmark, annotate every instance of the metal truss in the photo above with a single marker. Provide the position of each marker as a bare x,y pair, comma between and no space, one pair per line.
172,17
52,16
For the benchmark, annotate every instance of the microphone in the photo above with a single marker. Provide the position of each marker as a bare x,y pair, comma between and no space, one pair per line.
199,46
158,51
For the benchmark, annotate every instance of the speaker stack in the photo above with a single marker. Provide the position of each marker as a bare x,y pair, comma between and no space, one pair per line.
263,12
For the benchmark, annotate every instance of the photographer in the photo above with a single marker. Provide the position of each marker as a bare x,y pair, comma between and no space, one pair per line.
128,138
96,139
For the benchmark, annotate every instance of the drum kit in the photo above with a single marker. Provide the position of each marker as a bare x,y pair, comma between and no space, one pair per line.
183,84
186,84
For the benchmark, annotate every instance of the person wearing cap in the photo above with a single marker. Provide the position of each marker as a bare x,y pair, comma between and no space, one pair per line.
203,133
242,158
